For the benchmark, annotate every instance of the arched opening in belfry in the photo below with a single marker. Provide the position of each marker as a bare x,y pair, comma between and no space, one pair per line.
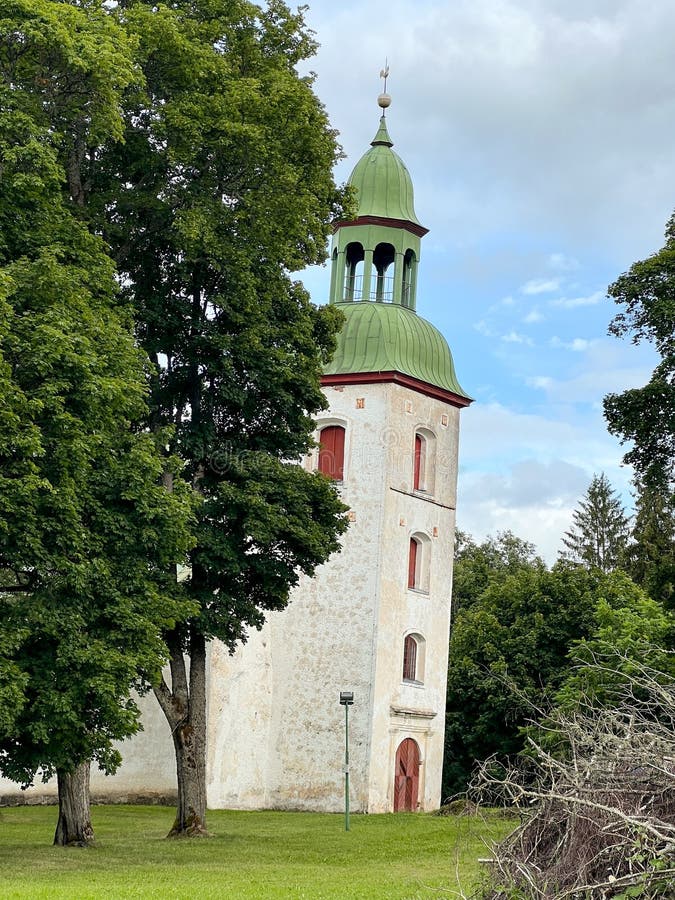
409,262
354,256
383,257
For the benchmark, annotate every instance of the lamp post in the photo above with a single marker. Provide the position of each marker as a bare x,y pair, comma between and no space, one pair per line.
346,700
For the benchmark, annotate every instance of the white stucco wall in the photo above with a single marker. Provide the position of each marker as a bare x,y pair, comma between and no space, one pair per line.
275,726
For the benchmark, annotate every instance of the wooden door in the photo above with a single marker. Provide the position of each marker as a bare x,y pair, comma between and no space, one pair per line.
406,776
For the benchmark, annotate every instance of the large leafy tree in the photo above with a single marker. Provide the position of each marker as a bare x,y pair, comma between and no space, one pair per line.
477,565
88,532
507,651
511,653
223,187
599,532
645,416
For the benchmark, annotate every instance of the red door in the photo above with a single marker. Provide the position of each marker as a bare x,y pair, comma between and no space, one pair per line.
406,776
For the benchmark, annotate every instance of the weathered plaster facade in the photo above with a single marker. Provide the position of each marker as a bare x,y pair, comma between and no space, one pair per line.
277,738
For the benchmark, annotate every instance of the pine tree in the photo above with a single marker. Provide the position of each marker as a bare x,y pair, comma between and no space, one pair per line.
650,556
599,533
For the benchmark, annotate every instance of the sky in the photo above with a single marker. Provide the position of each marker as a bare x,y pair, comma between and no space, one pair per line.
540,137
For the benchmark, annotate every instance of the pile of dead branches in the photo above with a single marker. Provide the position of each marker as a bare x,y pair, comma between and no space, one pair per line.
597,803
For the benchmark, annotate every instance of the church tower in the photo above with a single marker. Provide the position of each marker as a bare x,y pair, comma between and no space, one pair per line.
375,619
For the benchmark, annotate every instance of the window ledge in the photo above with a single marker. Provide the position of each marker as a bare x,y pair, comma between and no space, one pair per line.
418,591
411,683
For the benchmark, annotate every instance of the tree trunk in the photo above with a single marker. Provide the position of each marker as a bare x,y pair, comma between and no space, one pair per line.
74,828
185,709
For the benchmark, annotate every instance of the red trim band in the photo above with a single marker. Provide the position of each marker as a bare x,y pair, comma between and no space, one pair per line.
422,387
407,225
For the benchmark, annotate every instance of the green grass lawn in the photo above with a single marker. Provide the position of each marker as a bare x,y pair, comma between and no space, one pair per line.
250,854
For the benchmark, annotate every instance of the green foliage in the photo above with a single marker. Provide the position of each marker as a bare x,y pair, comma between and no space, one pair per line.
631,630
646,416
88,534
508,653
599,535
650,556
221,188
476,565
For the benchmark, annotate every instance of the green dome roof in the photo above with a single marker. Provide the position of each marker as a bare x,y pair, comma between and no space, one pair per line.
386,337
382,181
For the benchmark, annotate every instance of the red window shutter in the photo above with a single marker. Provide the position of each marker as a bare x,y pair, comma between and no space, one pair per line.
412,564
419,449
332,452
409,658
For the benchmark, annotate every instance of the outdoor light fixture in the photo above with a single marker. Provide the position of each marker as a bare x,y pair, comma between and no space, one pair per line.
346,700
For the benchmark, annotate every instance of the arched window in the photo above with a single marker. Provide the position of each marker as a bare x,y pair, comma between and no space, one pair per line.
413,558
354,256
413,658
409,261
409,658
424,461
332,451
383,256
419,463
419,553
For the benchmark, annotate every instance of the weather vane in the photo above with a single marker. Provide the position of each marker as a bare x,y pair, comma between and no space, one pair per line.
384,100
384,73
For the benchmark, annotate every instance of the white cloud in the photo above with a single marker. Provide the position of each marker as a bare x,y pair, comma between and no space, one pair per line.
483,328
575,302
578,345
541,286
533,316
562,262
535,480
540,381
513,337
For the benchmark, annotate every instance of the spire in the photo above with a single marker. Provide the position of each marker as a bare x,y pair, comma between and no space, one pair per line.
382,136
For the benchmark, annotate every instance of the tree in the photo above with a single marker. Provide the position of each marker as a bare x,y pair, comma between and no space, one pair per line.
88,532
517,632
599,534
650,555
646,416
476,565
221,188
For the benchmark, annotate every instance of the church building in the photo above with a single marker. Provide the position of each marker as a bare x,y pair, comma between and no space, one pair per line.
375,619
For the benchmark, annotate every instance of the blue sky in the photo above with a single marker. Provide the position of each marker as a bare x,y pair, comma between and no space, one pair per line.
540,135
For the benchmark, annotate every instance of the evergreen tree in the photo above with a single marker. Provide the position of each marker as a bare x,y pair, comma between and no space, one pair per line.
599,533
650,555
